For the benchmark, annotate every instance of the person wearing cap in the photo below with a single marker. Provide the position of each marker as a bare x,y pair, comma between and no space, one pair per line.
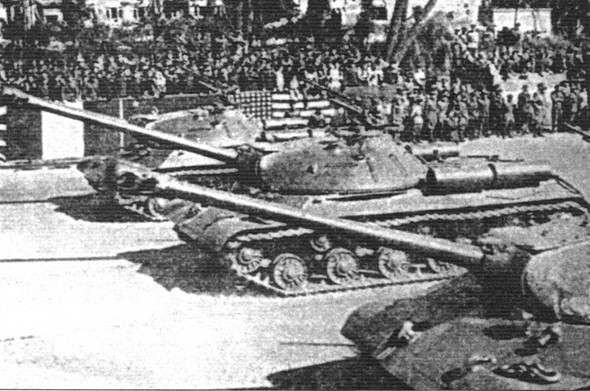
398,112
557,99
529,120
483,103
537,110
317,120
472,115
457,123
544,116
430,116
522,102
496,110
572,105
416,119
472,40
340,119
508,123
442,106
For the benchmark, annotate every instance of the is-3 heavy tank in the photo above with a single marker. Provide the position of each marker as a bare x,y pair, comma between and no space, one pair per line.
370,181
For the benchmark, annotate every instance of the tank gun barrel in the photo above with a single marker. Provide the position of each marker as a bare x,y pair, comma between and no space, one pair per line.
207,84
225,155
140,180
345,102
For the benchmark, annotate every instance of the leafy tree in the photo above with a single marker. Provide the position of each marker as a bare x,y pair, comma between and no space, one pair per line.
75,12
250,15
316,14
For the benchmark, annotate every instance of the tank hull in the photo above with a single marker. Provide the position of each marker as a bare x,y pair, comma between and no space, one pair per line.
461,217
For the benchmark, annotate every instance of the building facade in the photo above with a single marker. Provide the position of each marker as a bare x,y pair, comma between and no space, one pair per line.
461,9
117,13
529,19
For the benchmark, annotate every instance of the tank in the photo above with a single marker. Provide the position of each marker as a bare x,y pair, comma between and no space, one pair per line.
170,143
515,324
363,178
371,180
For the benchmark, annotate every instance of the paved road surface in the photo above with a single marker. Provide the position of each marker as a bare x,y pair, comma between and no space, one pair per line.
87,302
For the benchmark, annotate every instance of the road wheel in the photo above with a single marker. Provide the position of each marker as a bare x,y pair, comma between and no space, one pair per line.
394,264
342,266
289,272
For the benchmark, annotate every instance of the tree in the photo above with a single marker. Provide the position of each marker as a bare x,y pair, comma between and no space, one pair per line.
249,15
568,13
397,22
402,47
75,12
315,17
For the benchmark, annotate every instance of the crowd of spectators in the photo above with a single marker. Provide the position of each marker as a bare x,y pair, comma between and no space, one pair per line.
451,110
460,92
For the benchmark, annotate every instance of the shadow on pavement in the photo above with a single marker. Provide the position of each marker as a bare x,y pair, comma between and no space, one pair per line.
191,270
93,208
356,373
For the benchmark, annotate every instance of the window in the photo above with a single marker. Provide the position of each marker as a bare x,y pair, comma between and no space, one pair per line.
379,13
51,18
141,12
135,14
120,13
113,13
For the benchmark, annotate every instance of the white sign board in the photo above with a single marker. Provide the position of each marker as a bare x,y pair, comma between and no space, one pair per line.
530,19
62,137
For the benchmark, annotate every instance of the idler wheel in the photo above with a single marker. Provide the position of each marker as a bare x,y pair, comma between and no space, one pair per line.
249,260
156,207
289,271
341,265
393,264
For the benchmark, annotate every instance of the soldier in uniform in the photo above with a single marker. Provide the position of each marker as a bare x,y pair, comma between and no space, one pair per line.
450,125
497,110
316,120
508,117
474,123
484,110
398,112
557,99
544,119
572,104
443,109
431,116
461,119
416,118
537,115
523,110
341,118
529,117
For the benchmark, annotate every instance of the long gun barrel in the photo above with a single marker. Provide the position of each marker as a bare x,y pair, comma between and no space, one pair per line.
225,155
138,179
345,102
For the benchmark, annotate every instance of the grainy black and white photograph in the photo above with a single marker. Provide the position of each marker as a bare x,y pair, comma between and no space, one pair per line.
295,194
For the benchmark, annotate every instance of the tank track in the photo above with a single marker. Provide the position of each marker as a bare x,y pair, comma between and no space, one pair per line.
473,223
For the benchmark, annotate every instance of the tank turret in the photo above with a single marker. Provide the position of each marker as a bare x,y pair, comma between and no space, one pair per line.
512,323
